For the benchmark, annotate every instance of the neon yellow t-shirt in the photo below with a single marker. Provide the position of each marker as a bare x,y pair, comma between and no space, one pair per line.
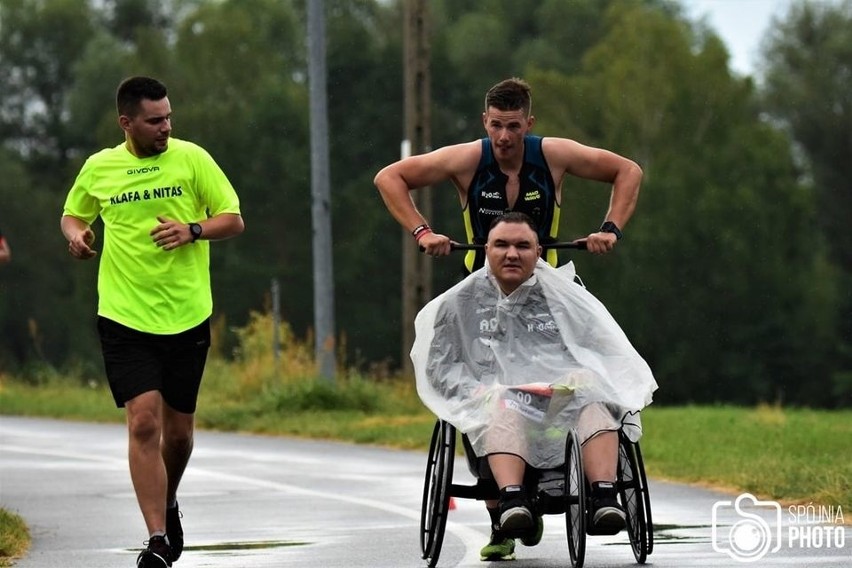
141,285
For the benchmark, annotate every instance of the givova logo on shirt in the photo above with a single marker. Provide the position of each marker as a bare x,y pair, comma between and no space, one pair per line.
143,170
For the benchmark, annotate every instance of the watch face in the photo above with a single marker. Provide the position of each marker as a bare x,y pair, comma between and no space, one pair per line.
195,229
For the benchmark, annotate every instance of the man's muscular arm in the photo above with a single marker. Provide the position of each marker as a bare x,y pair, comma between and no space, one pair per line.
396,181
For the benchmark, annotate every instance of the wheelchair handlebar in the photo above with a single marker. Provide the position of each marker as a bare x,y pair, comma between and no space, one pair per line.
579,244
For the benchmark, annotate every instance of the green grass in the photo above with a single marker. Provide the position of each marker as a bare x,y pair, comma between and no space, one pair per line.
59,400
791,455
14,537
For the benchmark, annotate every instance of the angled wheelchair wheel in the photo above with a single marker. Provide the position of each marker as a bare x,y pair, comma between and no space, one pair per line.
633,491
575,500
436,491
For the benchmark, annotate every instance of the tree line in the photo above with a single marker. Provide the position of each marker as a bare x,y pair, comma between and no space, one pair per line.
733,279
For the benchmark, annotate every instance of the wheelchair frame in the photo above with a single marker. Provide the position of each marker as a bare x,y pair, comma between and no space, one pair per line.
632,484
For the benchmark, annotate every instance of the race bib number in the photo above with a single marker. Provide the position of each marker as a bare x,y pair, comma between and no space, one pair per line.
529,404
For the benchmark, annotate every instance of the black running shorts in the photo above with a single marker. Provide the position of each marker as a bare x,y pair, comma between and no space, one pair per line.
138,362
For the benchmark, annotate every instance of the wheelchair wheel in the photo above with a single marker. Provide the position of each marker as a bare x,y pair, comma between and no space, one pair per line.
633,490
436,491
575,500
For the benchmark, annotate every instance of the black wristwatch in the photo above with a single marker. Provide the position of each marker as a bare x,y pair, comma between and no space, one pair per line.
610,227
195,231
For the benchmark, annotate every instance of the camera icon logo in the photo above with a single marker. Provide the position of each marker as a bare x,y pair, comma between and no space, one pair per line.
750,537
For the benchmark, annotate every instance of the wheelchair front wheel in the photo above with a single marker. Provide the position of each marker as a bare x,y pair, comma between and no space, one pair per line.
575,500
436,491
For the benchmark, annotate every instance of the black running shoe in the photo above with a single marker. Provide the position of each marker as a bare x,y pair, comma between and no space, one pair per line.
534,536
158,554
606,515
515,515
174,531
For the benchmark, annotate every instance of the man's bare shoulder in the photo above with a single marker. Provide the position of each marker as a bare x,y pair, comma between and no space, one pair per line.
456,161
560,148
460,162
462,154
567,155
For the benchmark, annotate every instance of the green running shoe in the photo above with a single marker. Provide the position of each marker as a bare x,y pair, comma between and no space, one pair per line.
534,537
498,548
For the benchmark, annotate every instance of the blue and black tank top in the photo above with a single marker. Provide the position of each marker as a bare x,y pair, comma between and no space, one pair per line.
486,199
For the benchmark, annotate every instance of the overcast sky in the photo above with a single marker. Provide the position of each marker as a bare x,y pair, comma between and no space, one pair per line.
740,23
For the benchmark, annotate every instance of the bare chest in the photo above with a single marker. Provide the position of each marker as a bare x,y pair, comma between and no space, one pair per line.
513,188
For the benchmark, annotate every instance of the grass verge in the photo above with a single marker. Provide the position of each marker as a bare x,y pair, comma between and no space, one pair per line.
789,455
14,537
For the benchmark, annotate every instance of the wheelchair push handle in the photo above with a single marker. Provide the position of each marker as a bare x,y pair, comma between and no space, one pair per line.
579,244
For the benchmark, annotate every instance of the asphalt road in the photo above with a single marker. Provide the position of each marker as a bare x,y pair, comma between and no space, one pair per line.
256,501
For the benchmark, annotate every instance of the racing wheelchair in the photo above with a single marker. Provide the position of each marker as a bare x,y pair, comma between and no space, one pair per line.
554,491
559,491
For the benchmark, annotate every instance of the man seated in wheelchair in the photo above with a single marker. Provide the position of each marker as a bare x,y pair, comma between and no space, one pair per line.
516,355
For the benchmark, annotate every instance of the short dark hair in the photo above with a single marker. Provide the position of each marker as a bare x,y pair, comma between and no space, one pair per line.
133,90
514,217
510,94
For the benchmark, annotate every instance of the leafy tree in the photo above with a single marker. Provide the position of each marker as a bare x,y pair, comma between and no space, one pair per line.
40,42
808,87
703,282
365,110
45,300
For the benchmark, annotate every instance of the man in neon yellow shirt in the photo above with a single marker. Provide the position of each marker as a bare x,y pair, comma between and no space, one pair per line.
161,201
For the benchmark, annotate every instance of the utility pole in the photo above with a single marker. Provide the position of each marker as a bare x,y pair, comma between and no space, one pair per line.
416,267
324,348
275,290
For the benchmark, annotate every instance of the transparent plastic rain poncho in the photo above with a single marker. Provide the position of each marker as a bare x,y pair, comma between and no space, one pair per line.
515,373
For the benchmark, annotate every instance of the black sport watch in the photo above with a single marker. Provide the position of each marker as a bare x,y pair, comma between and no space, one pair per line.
195,231
610,227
